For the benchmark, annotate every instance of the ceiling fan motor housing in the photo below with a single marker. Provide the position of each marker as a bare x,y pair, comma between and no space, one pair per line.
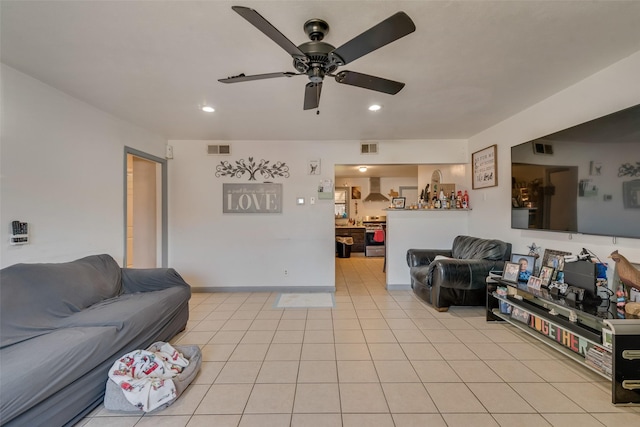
318,59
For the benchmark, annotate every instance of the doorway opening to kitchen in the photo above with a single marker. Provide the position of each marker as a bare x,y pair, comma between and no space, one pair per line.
362,195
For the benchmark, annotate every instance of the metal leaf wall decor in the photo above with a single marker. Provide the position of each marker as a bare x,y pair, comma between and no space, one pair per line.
264,168
627,169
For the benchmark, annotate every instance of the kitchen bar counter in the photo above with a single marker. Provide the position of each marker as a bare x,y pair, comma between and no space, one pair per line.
421,229
427,210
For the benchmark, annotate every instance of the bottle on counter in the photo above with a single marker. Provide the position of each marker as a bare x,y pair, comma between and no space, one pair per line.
452,200
465,200
443,200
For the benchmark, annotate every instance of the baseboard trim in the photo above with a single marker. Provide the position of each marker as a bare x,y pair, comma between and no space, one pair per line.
278,289
398,287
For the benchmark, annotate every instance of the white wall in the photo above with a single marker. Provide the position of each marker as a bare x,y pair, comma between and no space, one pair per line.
611,89
62,165
216,250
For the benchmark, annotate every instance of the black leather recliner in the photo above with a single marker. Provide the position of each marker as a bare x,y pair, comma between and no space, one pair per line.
458,276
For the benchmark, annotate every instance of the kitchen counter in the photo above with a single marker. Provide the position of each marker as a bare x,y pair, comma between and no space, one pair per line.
355,232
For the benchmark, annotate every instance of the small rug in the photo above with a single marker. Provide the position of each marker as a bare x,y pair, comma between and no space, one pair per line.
310,300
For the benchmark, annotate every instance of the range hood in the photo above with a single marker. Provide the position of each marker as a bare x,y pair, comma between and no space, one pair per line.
374,191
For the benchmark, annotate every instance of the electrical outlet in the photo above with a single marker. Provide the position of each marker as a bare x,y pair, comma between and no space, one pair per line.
312,200
286,273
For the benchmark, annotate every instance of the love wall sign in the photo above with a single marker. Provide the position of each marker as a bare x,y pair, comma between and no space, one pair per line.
251,198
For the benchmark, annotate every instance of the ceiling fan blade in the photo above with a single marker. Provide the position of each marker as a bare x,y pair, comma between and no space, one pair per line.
369,82
387,31
243,78
269,30
312,95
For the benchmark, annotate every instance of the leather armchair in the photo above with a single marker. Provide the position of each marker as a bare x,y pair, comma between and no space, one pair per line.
456,276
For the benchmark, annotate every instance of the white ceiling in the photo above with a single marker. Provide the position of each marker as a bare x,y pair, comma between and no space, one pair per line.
468,66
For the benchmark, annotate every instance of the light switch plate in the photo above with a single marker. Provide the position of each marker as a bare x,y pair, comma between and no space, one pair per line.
300,201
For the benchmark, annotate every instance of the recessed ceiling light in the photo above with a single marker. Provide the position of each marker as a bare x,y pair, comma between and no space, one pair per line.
208,109
362,168
374,107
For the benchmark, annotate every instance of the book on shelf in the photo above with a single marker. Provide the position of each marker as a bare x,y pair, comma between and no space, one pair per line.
600,359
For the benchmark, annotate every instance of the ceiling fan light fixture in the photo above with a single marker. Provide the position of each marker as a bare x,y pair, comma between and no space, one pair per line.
374,107
362,168
208,109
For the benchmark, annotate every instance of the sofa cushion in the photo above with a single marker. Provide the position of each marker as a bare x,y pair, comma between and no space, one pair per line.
35,297
467,247
132,311
29,377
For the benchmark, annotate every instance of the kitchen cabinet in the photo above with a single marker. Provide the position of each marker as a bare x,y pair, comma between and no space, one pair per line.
357,233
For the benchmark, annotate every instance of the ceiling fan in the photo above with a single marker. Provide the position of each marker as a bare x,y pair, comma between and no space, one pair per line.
317,59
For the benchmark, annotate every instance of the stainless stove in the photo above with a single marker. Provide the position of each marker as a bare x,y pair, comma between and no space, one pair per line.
373,246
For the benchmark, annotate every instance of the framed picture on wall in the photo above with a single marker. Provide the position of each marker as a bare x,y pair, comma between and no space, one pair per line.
313,167
356,193
485,167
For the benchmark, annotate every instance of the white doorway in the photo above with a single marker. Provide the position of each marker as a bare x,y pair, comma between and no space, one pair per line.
145,210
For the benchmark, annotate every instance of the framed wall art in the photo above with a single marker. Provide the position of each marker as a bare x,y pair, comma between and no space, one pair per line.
485,167
313,167
356,193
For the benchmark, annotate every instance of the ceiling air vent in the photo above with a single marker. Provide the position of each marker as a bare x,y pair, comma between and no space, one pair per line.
221,149
542,148
369,148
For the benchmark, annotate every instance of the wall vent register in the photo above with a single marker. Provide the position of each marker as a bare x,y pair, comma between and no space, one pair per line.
219,149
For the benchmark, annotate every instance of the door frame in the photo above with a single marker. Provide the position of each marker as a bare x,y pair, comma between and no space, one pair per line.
165,221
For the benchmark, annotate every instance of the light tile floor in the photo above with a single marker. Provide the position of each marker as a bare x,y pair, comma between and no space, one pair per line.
378,359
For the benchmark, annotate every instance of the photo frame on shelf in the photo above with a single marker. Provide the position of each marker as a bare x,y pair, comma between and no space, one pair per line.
546,274
485,167
398,202
510,272
529,263
534,283
555,259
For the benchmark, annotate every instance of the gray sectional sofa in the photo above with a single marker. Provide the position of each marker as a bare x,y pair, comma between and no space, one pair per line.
63,325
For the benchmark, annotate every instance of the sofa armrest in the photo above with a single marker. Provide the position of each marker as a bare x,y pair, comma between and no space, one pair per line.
464,274
418,257
150,279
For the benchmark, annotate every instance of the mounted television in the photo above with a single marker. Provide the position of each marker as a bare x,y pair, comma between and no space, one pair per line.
584,179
